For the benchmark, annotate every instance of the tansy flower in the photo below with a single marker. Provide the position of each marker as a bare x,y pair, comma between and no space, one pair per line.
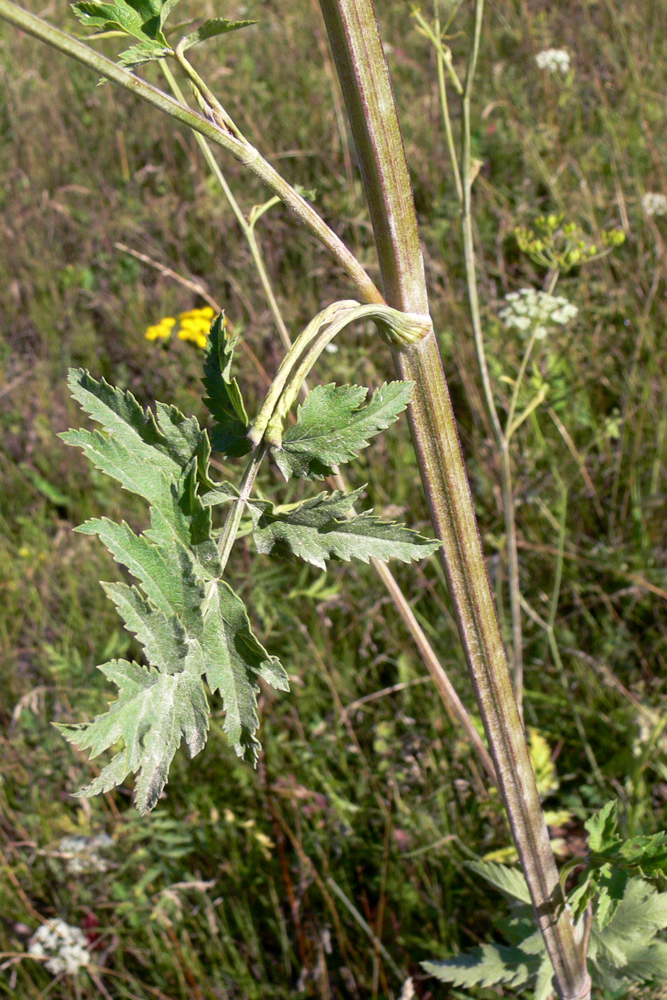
161,330
193,325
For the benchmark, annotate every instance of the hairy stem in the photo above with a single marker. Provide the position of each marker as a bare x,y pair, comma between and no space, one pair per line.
362,69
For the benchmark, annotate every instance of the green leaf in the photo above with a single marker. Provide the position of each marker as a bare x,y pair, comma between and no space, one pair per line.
647,962
234,660
648,854
139,55
510,881
331,428
602,827
641,912
612,883
209,29
153,713
141,18
224,400
489,965
318,529
191,624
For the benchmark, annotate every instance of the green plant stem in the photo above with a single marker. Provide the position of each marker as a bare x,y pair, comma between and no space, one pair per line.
247,228
241,150
501,440
233,519
358,53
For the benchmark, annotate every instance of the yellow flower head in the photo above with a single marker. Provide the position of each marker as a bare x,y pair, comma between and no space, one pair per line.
193,325
161,330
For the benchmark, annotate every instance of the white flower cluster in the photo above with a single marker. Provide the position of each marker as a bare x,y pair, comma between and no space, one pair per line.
84,853
654,204
534,311
555,60
64,946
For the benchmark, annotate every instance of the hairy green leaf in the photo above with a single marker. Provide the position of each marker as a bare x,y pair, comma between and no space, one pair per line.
319,528
139,55
602,829
509,880
153,712
191,624
209,29
331,427
489,965
224,399
141,18
647,854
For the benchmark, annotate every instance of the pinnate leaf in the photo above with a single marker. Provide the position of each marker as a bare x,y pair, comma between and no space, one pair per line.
140,18
192,625
510,881
319,528
153,712
602,829
209,29
332,427
489,965
224,400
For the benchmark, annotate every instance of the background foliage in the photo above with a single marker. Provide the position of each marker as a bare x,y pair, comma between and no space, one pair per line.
366,802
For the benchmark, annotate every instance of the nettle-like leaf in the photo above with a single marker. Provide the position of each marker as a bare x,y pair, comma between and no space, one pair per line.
622,952
224,399
603,829
145,20
191,624
490,965
510,881
332,427
319,528
210,29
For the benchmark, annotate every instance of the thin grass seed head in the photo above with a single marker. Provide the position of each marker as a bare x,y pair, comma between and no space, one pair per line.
531,311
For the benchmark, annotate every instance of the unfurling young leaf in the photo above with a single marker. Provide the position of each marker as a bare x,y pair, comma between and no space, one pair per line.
331,428
319,528
224,399
602,829
191,624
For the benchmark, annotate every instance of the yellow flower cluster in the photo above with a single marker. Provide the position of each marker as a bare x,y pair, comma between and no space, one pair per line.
193,325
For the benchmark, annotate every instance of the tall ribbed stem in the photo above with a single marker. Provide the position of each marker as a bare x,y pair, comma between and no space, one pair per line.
359,56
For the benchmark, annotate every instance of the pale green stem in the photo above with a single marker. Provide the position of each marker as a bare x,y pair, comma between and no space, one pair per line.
233,519
247,228
502,443
362,69
241,150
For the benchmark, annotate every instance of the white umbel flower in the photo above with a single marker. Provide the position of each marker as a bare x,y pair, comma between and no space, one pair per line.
654,204
528,310
64,946
554,60
83,853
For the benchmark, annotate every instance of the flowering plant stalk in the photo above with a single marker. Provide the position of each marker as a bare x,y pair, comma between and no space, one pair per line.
194,628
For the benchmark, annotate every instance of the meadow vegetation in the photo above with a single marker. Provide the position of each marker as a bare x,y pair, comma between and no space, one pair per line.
337,866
